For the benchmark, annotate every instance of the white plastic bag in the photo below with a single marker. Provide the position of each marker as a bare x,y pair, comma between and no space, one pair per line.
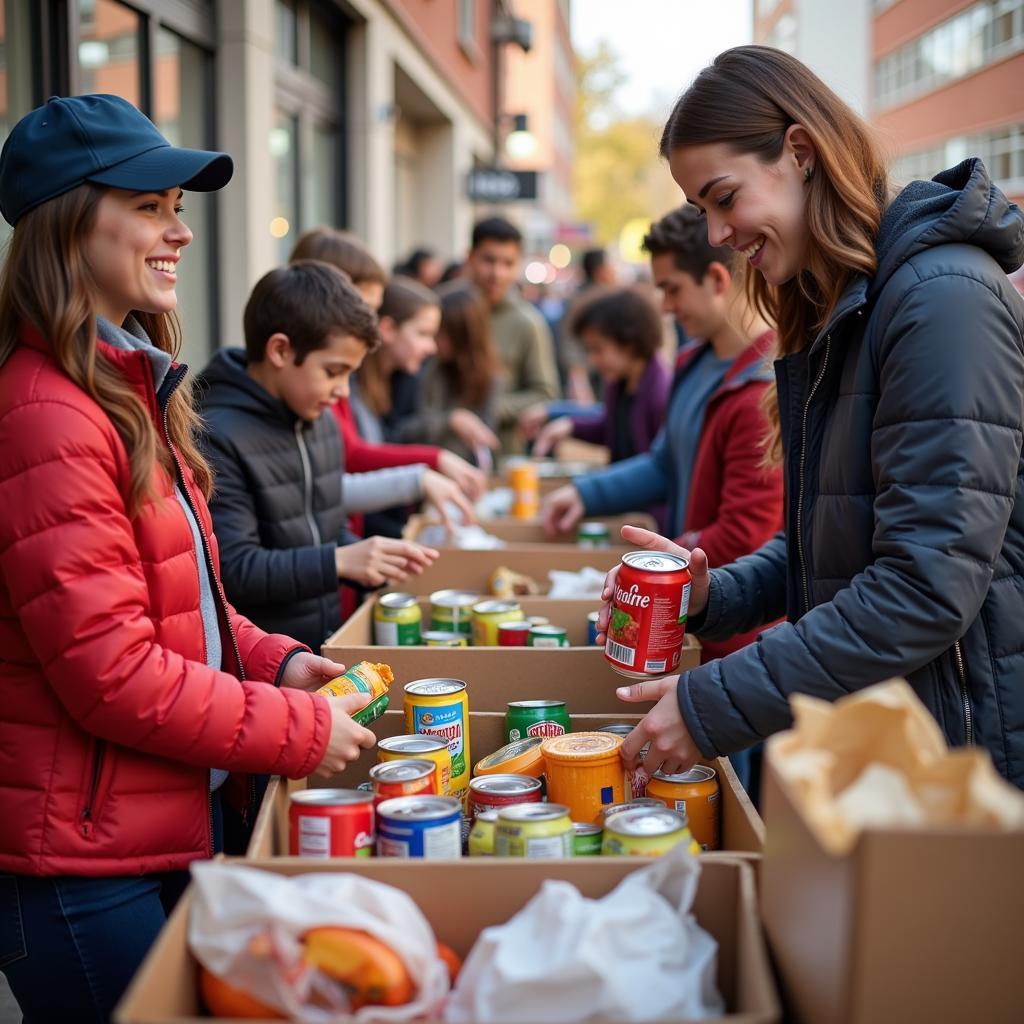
246,925
566,585
636,954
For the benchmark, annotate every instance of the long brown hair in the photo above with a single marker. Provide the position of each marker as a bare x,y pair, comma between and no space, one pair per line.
747,99
403,299
466,322
46,282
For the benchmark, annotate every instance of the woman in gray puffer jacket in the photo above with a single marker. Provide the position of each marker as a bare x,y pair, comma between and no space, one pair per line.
899,425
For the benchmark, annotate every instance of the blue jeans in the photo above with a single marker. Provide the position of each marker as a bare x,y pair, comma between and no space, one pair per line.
70,945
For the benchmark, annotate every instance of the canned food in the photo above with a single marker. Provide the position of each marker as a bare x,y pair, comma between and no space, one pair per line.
646,832
638,777
587,840
584,772
396,621
534,830
488,615
592,618
428,748
696,792
439,707
481,835
451,611
522,478
538,620
548,636
648,614
629,805
330,823
535,718
420,826
497,791
368,678
521,757
438,638
409,777
593,535
513,634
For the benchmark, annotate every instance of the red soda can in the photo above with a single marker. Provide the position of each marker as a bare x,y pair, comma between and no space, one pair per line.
513,634
648,614
497,791
331,823
408,777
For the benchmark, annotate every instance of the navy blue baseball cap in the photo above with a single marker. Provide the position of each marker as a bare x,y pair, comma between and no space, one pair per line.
73,139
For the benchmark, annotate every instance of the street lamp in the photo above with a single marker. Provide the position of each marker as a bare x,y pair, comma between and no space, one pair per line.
520,143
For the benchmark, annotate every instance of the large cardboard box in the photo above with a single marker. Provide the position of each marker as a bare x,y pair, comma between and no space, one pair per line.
461,899
579,675
471,570
516,532
742,830
912,925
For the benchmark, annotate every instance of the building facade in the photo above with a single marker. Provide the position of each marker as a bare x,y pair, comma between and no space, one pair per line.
942,78
364,114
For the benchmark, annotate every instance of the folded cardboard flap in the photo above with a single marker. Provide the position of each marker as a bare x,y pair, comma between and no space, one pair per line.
742,830
908,925
460,900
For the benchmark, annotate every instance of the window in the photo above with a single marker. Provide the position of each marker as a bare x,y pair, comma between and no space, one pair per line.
980,34
288,31
306,143
108,49
467,24
16,94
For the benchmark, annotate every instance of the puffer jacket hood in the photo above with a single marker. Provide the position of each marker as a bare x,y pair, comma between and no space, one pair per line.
958,205
226,384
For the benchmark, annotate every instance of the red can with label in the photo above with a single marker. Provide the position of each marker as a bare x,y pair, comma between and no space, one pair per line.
513,634
648,614
331,823
488,792
404,777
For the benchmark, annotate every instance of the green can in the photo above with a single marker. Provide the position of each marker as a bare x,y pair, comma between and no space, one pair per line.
547,636
372,711
451,611
587,841
593,535
396,621
529,718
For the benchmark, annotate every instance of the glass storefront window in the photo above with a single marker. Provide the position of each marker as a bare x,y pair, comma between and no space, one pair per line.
323,51
322,192
108,49
284,150
16,97
180,100
287,31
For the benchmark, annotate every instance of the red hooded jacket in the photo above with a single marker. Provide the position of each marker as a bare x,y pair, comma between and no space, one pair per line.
109,717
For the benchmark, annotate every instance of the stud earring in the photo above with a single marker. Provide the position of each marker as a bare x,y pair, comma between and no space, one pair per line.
808,173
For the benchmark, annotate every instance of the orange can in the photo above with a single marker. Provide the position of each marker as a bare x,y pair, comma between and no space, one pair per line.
584,772
522,478
696,792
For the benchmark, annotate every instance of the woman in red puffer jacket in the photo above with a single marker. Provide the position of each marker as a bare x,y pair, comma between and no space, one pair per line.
129,687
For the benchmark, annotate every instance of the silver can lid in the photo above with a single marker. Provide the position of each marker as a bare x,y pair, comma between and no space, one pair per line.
533,812
329,797
587,828
412,744
434,687
536,703
654,561
646,821
698,773
547,630
420,808
454,598
406,770
511,785
495,607
396,600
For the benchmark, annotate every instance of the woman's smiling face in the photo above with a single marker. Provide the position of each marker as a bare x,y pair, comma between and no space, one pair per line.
756,208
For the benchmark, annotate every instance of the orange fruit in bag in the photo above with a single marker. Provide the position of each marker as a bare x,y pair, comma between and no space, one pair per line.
373,972
224,1000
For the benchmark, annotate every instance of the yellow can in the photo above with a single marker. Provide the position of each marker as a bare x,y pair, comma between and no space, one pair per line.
522,478
367,678
438,638
481,835
488,615
430,748
534,830
440,707
646,832
584,772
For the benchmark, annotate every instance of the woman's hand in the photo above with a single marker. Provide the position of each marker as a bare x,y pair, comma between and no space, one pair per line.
672,747
562,510
379,560
347,738
550,435
472,431
439,491
700,579
471,481
531,419
308,671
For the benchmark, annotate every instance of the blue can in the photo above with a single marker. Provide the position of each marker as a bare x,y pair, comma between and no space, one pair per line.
420,826
592,628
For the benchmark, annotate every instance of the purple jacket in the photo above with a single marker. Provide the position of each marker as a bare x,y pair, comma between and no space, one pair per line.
647,415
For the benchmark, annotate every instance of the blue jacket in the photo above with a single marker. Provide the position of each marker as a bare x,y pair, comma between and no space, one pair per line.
903,555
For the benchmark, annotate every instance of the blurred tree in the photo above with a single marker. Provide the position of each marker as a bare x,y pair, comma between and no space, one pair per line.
618,175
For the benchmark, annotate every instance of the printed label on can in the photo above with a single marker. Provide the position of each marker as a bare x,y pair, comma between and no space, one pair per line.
446,722
684,605
315,837
544,728
549,846
386,634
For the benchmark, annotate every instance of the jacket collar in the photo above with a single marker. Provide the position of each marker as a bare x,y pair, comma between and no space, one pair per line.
750,366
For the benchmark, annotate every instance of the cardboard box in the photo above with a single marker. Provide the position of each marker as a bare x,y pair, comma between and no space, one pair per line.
578,675
461,899
912,925
531,531
471,570
742,830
